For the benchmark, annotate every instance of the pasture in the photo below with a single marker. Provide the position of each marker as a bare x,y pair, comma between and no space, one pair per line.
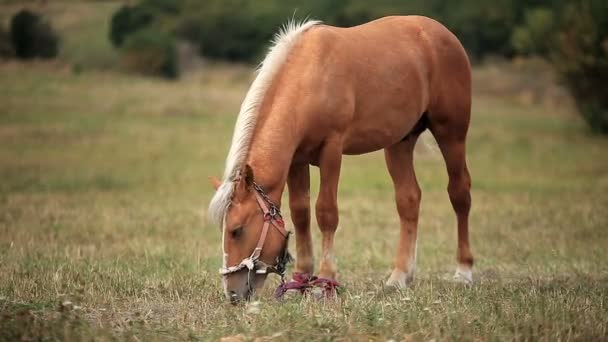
103,234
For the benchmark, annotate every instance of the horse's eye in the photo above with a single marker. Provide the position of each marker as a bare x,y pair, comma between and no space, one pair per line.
236,233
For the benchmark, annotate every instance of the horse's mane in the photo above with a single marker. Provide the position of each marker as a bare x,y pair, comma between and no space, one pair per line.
282,44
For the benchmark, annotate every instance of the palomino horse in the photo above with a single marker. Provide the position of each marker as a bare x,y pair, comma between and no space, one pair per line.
325,91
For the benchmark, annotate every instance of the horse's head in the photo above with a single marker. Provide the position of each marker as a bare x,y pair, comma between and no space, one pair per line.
253,236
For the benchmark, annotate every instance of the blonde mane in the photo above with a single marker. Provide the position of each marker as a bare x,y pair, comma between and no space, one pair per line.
282,44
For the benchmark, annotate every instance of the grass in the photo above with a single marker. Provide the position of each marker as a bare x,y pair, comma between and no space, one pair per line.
102,231
105,175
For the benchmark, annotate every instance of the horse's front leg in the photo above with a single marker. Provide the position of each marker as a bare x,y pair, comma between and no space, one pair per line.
326,208
298,183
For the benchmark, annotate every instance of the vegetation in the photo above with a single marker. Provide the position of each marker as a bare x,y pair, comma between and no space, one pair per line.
239,30
575,39
151,52
127,20
145,48
581,58
533,36
32,36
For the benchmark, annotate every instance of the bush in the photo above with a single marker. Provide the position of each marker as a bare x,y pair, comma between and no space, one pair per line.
32,37
581,58
151,52
165,6
483,27
127,20
233,30
533,37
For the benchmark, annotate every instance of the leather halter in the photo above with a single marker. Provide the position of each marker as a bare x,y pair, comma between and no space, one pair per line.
272,216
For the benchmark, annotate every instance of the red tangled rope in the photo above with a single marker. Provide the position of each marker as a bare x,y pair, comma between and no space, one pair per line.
303,282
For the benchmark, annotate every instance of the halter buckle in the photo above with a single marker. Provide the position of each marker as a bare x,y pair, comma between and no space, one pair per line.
268,217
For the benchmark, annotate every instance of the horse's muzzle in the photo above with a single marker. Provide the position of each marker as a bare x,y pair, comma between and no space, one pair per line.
236,298
241,285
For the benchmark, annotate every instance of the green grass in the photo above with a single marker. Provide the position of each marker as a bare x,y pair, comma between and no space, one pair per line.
103,186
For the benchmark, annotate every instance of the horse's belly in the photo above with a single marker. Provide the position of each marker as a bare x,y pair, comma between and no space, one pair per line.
376,133
367,143
362,147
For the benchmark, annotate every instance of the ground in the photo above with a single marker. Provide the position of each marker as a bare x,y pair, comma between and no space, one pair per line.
103,232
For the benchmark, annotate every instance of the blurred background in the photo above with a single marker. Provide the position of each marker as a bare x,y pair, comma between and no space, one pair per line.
169,38
114,113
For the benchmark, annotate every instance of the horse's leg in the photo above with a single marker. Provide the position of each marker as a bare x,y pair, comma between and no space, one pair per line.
450,133
298,182
326,207
400,163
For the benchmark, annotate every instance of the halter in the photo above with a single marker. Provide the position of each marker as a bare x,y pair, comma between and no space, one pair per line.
272,216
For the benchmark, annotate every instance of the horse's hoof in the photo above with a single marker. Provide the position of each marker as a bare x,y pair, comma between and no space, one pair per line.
400,279
324,288
301,282
318,293
463,275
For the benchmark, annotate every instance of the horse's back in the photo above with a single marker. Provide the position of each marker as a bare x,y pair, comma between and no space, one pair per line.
413,40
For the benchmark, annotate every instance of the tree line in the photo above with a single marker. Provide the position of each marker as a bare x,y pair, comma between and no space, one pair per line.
239,30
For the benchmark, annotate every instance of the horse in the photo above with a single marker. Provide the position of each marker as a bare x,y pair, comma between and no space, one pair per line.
323,92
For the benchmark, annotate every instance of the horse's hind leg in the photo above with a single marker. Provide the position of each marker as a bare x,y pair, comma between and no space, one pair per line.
450,132
400,163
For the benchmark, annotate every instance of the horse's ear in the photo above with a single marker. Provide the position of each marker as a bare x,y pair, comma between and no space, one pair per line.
245,180
248,175
215,182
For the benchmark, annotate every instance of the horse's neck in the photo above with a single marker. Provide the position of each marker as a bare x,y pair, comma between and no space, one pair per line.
271,152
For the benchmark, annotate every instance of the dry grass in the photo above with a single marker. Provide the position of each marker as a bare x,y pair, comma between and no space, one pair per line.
104,177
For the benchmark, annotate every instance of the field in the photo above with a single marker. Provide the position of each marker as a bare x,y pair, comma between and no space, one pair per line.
103,233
